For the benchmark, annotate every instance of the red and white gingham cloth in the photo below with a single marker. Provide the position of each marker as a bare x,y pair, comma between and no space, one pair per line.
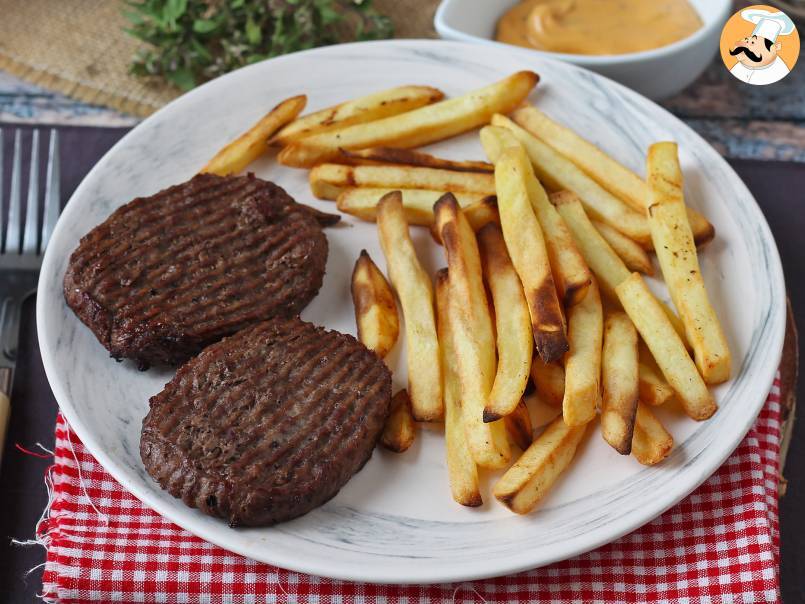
719,545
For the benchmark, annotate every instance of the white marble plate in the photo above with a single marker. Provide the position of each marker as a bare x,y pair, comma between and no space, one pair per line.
395,520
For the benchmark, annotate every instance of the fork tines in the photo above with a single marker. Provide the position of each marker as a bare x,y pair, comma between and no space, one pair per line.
27,240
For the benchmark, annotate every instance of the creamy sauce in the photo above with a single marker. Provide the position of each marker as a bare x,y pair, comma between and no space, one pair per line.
597,27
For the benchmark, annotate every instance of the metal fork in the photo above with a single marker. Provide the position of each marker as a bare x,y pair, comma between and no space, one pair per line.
21,256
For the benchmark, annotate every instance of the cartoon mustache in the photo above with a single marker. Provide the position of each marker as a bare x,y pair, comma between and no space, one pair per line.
743,49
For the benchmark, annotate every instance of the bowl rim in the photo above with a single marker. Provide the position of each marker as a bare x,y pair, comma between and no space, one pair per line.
700,35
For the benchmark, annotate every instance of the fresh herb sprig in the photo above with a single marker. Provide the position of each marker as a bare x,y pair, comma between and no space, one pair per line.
193,41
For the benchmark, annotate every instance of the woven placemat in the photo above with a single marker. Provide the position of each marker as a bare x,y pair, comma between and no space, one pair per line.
78,48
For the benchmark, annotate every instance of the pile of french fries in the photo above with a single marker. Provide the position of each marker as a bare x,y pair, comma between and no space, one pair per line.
541,321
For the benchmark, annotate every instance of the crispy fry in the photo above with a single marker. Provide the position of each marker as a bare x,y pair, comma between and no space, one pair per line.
634,257
512,321
473,335
542,413
570,272
609,269
607,172
518,425
619,376
524,484
549,378
558,173
368,108
375,308
327,181
654,390
250,145
676,251
585,324
410,157
398,431
415,291
461,468
415,128
666,347
651,442
417,203
529,255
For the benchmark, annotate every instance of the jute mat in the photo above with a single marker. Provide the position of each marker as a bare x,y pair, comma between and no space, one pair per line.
78,47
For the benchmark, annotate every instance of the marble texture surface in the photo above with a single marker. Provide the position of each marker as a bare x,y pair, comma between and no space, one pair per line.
395,521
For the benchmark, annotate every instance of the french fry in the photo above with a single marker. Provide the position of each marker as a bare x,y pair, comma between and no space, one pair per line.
634,257
398,431
602,168
415,291
512,321
250,145
619,376
518,425
570,272
368,108
558,173
651,442
327,181
461,468
542,413
676,251
415,128
585,324
375,308
549,378
417,203
526,245
666,347
477,214
410,157
609,269
473,335
525,483
654,390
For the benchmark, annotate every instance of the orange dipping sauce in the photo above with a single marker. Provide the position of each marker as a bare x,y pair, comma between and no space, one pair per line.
597,27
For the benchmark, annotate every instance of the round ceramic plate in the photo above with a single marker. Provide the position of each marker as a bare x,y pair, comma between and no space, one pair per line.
395,521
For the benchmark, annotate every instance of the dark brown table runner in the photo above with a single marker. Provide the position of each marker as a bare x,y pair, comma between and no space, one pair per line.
777,186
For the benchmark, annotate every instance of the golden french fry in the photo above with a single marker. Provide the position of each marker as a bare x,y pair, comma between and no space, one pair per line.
477,214
651,442
570,273
525,483
654,390
473,335
417,203
398,431
415,128
368,108
676,251
526,245
585,324
410,157
542,413
549,378
619,376
557,173
250,145
602,168
666,347
415,291
512,321
328,181
634,257
518,425
375,308
461,468
609,269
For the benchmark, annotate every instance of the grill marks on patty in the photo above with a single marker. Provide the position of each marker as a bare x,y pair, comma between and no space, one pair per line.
166,275
267,424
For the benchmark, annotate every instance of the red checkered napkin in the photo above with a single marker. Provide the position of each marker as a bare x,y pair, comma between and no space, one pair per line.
721,544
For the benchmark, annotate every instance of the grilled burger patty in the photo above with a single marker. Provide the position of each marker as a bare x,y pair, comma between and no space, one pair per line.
267,424
166,275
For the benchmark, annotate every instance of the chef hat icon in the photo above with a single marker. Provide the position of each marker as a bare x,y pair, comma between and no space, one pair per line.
768,25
